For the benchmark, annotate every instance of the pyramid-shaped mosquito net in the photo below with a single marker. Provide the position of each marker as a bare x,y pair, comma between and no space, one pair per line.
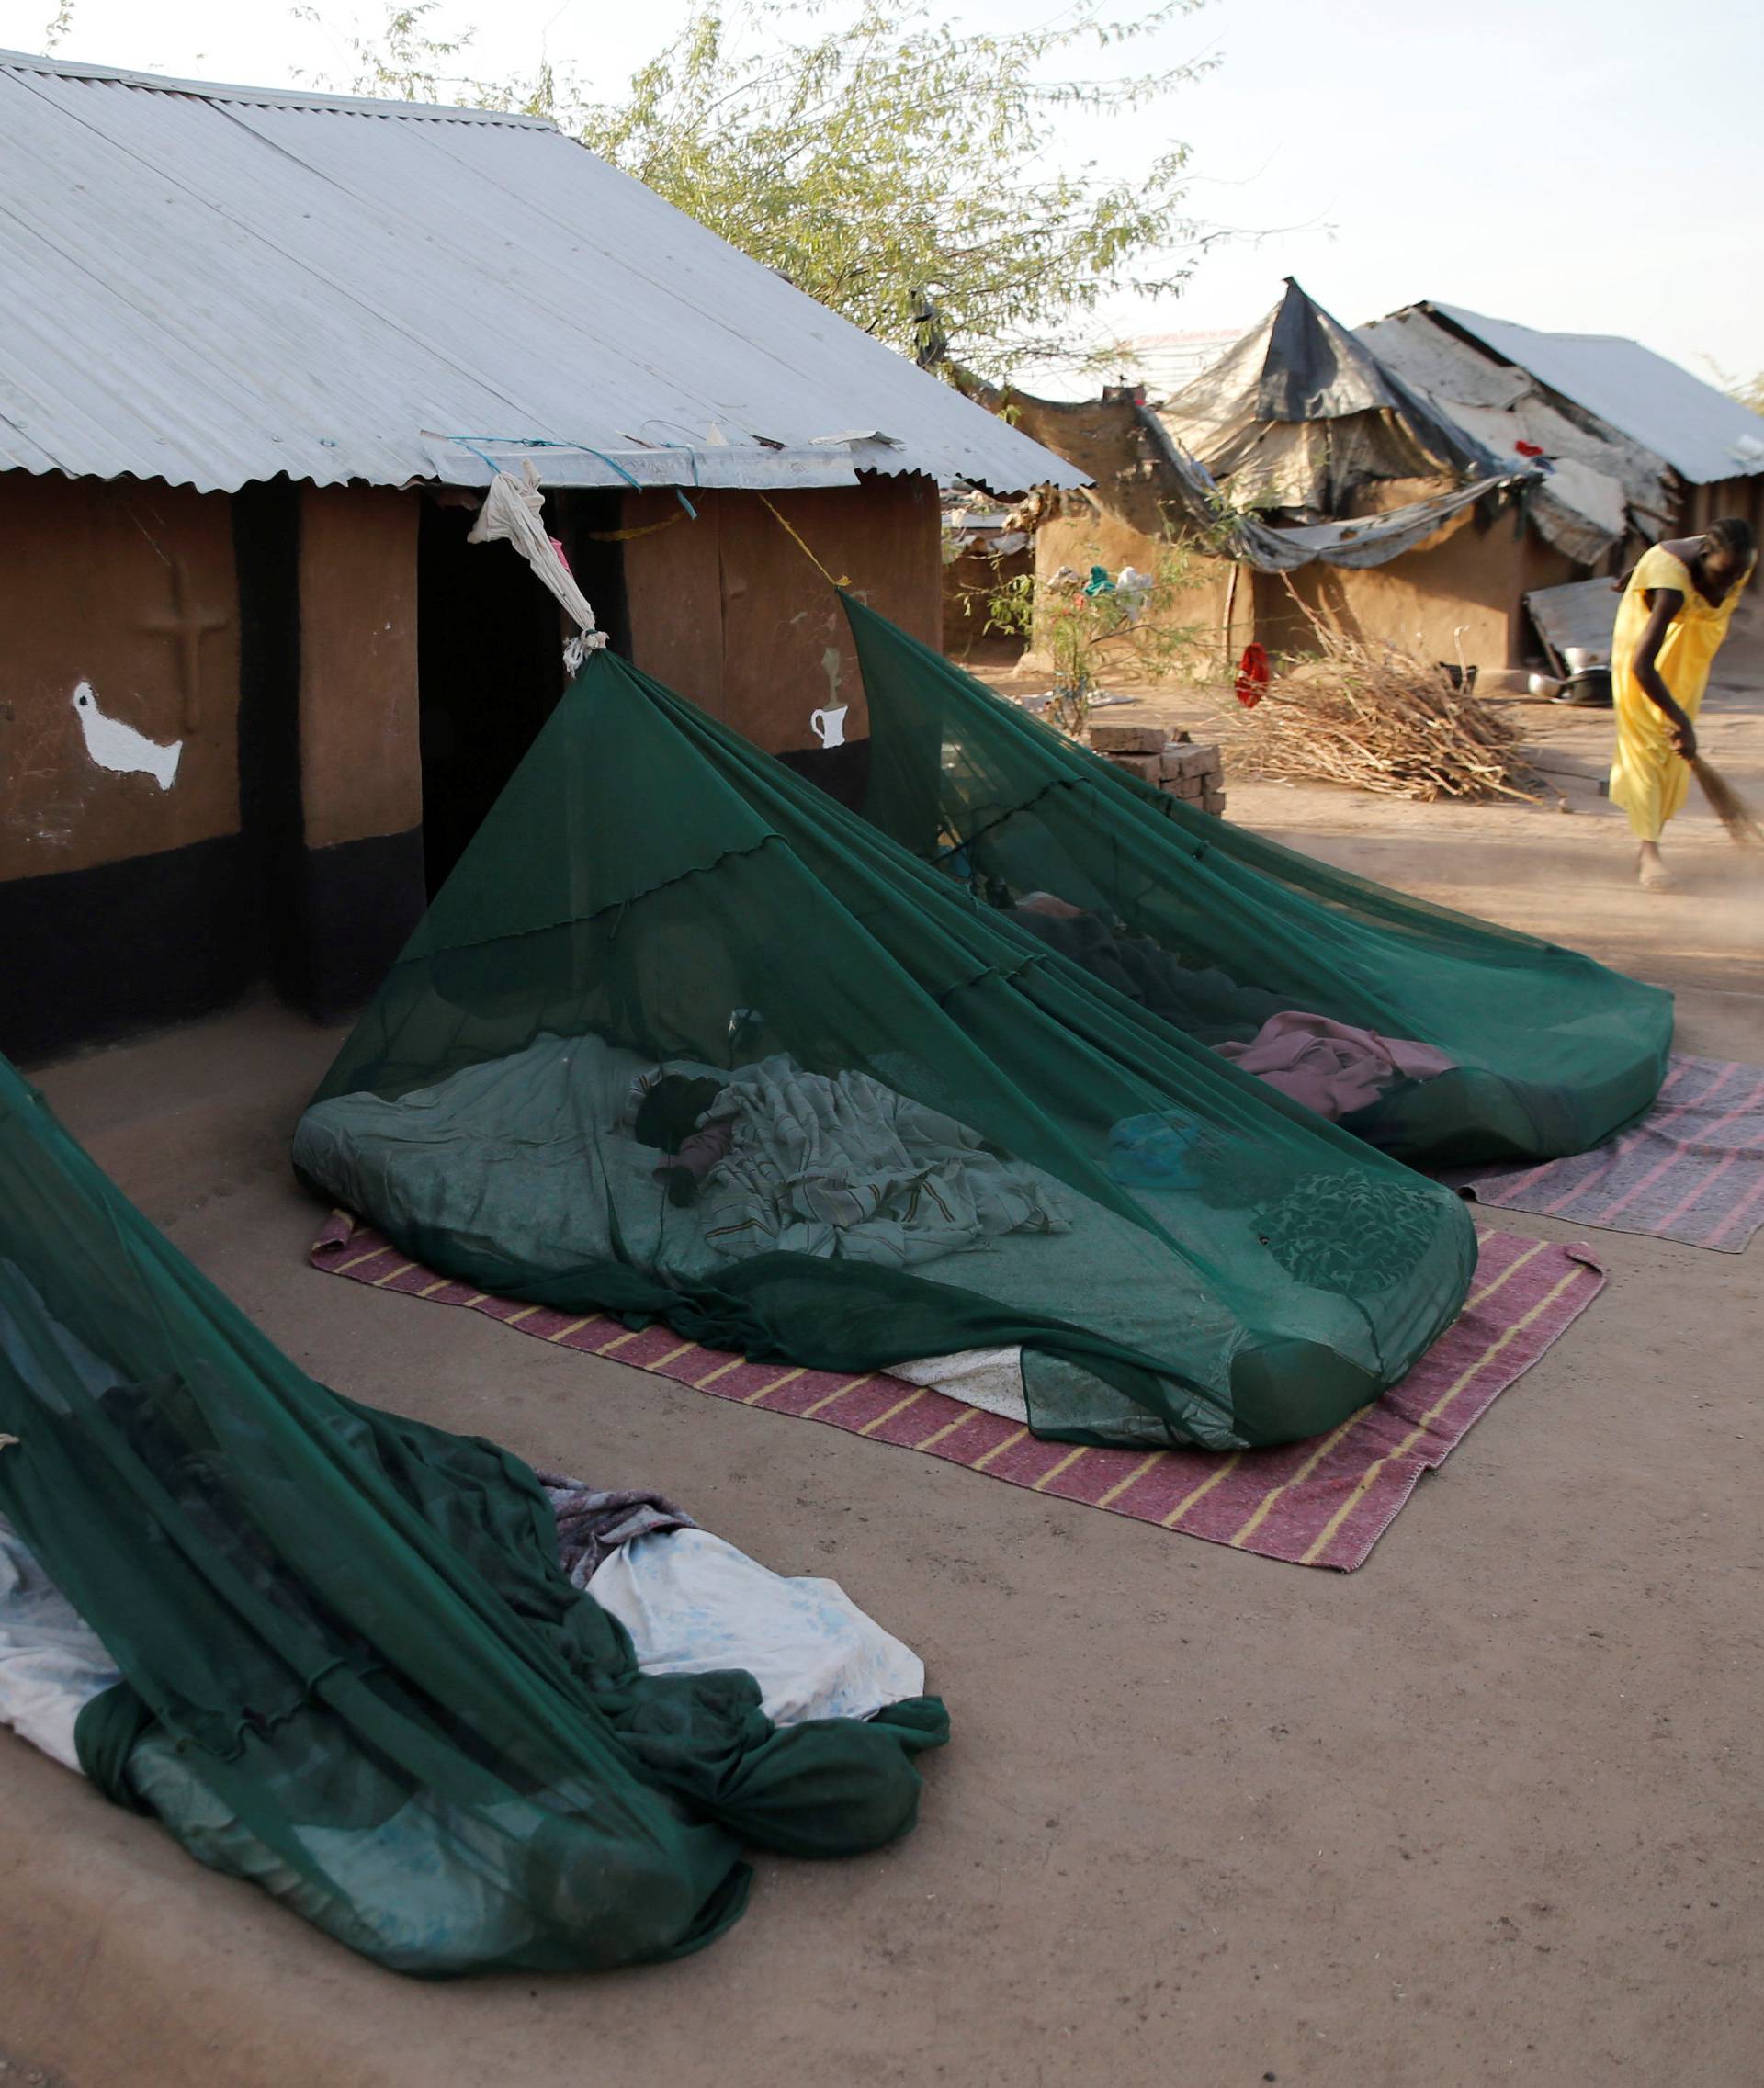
347,1662
683,1039
1526,1050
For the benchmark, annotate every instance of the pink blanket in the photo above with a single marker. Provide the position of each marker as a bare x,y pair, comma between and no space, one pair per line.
1332,1068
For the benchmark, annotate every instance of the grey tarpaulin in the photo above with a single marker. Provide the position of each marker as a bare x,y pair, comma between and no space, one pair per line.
1301,411
1368,540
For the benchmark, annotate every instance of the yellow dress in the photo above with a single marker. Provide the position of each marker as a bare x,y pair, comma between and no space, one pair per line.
1648,779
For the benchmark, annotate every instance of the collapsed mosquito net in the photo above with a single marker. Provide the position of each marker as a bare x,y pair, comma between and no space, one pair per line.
347,1662
1439,1038
682,1039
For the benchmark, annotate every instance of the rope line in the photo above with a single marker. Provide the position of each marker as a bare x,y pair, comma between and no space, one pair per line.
843,580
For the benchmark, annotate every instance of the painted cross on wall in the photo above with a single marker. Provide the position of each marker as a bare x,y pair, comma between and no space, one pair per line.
187,624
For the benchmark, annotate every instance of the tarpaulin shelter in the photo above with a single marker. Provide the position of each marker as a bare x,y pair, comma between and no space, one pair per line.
1229,936
1694,440
1357,542
1312,482
349,1665
1301,413
1596,477
683,1039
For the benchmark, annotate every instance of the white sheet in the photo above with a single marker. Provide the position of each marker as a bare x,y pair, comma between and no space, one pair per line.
51,1663
694,1604
991,1379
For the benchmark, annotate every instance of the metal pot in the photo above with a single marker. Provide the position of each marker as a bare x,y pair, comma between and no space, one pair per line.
1587,690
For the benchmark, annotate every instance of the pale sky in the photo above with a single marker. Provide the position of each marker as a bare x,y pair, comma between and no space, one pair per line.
1591,165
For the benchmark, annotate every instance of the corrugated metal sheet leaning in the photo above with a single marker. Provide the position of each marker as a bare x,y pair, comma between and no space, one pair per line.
213,285
1578,615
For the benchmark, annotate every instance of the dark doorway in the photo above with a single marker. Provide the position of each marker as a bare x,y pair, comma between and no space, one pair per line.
267,556
490,658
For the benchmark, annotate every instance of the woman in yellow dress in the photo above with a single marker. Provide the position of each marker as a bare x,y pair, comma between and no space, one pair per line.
1670,623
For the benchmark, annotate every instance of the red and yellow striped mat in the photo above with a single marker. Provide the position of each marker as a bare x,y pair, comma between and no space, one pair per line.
1323,1503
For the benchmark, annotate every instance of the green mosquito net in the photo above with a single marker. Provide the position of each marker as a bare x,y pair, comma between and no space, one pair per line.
352,1667
682,1039
1527,1050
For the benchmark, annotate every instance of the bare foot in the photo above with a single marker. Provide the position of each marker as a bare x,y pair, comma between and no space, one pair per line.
1653,875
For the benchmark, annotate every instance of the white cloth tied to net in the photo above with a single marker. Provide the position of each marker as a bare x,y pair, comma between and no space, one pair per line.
513,512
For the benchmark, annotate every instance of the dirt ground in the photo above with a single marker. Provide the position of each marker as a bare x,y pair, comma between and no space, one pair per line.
1490,1810
1568,875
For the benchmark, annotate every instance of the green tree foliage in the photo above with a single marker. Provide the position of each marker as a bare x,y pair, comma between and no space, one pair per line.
890,162
405,60
1102,625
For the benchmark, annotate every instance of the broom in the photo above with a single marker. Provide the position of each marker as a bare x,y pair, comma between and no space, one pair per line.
1729,806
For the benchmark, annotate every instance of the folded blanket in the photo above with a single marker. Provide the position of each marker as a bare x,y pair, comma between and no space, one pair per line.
593,1521
1329,1066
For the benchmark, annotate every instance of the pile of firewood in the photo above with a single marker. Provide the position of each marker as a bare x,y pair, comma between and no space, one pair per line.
1378,719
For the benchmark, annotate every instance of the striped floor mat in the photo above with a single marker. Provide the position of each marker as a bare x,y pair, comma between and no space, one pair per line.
1692,1169
1323,1503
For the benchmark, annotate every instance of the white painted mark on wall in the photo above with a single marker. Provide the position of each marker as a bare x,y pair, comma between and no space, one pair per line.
834,667
118,747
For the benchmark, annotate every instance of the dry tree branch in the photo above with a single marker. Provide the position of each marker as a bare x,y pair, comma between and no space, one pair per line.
1379,719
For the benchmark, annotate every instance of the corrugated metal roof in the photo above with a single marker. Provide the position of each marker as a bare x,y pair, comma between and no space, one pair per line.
1702,433
211,285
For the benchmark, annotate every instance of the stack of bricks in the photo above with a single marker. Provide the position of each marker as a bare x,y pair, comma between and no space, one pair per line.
1195,775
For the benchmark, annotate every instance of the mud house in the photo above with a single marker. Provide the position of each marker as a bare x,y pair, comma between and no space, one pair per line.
1419,481
260,352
